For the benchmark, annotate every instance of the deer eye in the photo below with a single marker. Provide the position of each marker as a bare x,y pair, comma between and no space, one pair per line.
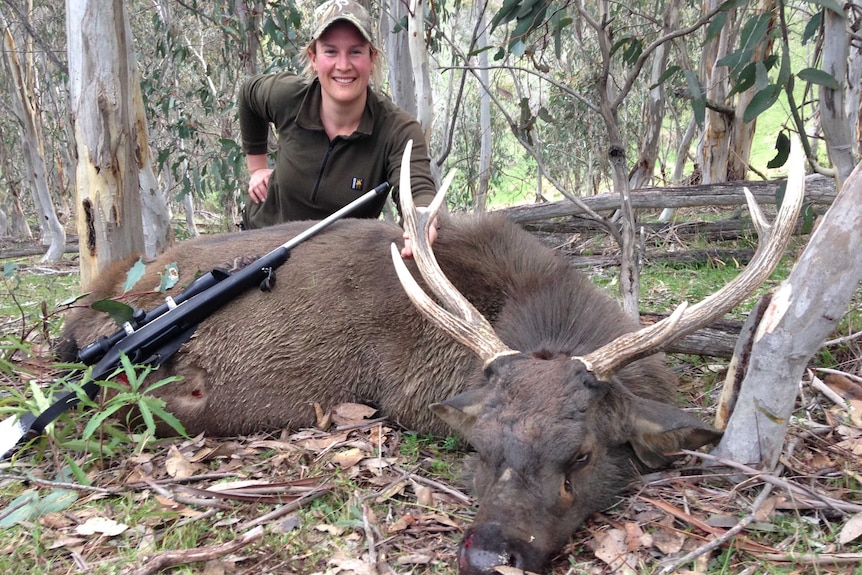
580,461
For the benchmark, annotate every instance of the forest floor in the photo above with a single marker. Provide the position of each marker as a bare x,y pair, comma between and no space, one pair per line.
365,497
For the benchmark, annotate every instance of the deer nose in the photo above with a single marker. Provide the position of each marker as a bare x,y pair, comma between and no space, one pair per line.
485,548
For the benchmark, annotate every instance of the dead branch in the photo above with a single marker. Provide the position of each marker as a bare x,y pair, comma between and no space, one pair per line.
287,508
171,558
809,495
819,190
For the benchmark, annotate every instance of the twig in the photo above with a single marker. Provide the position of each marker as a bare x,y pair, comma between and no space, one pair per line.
843,340
286,508
183,556
184,499
722,539
369,538
835,504
815,558
817,384
849,376
460,496
58,484
182,480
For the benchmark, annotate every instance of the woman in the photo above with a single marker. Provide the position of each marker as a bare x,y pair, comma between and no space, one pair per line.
337,138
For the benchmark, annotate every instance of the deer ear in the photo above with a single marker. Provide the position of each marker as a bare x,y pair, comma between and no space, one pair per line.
659,429
461,411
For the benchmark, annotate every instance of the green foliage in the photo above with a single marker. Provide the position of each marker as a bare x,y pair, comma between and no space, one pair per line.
129,393
134,274
31,506
782,151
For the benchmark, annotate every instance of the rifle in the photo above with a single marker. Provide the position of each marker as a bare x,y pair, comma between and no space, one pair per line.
151,338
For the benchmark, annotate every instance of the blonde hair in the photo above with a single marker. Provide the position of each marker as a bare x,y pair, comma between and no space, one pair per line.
376,79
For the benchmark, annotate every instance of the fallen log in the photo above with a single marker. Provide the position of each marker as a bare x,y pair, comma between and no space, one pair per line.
27,251
819,190
716,340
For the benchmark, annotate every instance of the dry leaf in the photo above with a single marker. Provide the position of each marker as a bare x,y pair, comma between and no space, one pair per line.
504,570
666,539
55,521
856,412
349,457
416,558
438,518
345,565
851,530
177,465
101,526
321,443
67,541
351,413
323,418
167,502
843,385
636,538
331,529
424,495
612,550
215,567
403,523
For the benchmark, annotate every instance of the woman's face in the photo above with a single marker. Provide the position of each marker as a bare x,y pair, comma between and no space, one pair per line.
343,60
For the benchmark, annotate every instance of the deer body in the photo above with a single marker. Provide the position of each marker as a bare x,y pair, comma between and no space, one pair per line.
338,327
540,371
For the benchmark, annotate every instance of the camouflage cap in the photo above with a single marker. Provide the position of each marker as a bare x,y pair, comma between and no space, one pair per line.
333,10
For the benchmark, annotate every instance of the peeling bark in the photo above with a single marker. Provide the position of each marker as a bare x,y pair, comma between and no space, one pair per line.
102,83
802,313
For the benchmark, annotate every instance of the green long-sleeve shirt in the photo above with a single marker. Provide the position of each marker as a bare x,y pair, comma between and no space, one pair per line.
314,176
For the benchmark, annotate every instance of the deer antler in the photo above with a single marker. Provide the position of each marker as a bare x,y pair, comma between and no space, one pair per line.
773,240
460,319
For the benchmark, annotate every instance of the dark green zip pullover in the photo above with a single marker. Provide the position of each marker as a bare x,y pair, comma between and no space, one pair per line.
314,176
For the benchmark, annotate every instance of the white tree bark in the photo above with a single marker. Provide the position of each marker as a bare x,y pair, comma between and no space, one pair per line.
104,92
24,102
398,55
485,141
802,313
653,108
837,127
420,66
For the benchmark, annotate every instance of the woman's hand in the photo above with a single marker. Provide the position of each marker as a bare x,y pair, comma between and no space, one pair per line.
407,250
258,184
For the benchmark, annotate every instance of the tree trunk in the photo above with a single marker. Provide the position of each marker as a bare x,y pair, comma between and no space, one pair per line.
398,54
420,66
642,173
742,133
103,93
713,149
803,311
837,127
24,103
485,149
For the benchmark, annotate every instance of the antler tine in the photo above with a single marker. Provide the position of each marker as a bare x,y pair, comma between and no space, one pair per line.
460,319
773,240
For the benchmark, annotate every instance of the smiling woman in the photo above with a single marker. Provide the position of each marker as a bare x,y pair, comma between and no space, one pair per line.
337,137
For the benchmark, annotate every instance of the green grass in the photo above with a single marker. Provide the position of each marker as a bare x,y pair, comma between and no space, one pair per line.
28,291
334,525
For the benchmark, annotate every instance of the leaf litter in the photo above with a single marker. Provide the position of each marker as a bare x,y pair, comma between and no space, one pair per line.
357,504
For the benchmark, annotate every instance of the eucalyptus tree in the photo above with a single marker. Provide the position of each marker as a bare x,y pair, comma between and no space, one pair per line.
22,80
627,38
102,93
193,58
806,308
